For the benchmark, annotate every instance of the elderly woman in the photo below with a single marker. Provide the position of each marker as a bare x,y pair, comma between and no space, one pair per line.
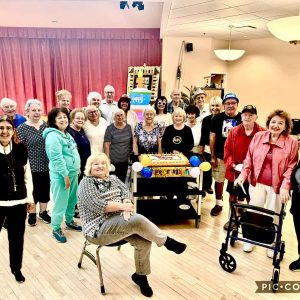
163,118
130,115
95,128
77,120
64,166
64,98
9,108
94,98
215,107
235,151
16,192
192,114
107,216
118,144
178,137
269,163
30,133
147,134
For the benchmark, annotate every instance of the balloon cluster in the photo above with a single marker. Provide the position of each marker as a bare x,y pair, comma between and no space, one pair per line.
138,167
197,165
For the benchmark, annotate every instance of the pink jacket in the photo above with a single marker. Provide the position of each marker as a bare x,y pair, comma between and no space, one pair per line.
284,159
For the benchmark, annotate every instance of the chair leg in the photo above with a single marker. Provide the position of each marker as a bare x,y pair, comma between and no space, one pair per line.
102,288
82,253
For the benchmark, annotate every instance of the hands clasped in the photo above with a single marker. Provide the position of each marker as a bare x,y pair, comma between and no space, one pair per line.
128,209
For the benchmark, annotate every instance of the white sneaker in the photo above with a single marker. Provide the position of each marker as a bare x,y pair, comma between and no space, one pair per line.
248,247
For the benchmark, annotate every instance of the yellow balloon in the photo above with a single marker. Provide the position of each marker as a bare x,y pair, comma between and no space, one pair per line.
205,166
145,161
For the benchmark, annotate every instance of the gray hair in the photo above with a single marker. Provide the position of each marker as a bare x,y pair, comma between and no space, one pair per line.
31,102
109,88
5,101
93,95
149,108
117,111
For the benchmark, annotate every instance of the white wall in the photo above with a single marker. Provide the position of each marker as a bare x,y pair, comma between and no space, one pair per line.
267,76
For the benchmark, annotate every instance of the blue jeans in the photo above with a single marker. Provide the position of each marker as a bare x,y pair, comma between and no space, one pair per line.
138,231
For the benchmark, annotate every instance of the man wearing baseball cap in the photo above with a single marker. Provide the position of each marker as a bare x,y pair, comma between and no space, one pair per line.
220,128
235,151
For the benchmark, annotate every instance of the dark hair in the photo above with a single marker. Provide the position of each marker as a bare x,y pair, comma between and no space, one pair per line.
124,99
284,115
156,101
53,114
193,109
9,120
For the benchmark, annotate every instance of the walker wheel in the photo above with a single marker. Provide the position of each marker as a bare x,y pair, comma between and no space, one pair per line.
234,235
275,280
79,265
227,262
282,251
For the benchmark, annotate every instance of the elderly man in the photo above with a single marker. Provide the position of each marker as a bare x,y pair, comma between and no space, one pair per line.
108,106
220,127
94,98
200,99
9,107
63,98
176,101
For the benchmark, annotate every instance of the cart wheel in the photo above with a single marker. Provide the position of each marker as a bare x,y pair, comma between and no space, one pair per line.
227,262
281,253
275,280
234,234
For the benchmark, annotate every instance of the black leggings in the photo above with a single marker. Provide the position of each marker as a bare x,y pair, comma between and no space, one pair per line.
15,221
296,219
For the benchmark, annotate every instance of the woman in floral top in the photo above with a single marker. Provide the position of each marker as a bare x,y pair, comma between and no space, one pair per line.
147,134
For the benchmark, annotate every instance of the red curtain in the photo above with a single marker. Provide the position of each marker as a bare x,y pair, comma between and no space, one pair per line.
36,62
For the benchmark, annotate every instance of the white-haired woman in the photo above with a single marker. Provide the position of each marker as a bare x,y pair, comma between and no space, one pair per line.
147,134
215,107
107,216
94,128
118,143
9,107
30,133
94,98
178,137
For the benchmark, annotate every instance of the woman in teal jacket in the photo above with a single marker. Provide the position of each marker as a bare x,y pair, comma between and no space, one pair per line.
64,166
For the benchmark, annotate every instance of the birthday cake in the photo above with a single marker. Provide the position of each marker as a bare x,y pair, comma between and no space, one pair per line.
164,160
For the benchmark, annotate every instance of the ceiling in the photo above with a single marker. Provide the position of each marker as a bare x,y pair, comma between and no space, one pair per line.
201,18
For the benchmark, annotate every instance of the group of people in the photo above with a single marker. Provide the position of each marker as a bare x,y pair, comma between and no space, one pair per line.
78,147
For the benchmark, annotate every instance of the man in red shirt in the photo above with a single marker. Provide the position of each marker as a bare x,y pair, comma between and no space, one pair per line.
235,151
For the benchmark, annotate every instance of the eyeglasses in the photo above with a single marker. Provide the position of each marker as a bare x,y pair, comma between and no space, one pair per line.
230,103
8,128
95,99
92,112
109,92
161,103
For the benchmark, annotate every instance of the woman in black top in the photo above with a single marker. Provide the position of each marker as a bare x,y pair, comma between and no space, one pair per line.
16,194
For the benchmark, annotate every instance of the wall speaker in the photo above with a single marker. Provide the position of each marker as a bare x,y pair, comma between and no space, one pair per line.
189,47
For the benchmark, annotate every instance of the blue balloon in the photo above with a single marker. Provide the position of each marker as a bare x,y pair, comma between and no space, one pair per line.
195,161
147,172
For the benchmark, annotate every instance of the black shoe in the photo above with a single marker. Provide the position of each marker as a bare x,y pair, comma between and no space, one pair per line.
32,219
216,210
209,191
19,276
142,282
175,246
45,217
295,265
226,226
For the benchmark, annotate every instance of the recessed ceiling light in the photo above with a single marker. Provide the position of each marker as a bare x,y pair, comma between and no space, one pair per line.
54,21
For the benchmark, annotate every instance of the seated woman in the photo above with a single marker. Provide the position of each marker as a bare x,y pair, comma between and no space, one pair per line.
108,216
